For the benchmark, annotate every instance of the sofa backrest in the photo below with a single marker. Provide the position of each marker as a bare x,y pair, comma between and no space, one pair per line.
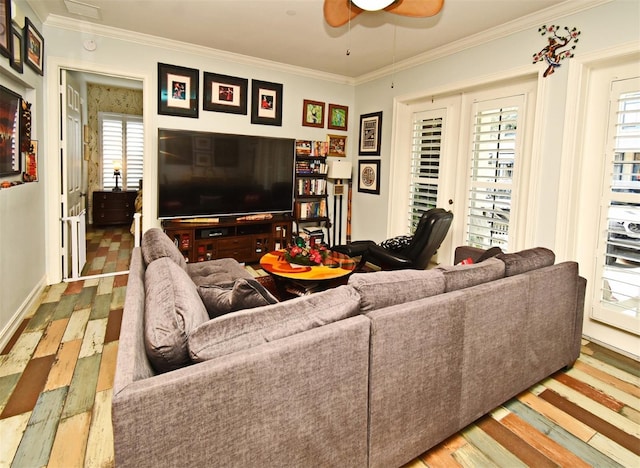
386,288
526,260
465,276
156,244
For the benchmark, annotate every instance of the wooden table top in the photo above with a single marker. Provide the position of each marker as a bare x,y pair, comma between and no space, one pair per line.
335,266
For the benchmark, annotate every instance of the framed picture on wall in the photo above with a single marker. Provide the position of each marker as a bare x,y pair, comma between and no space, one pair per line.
223,93
336,145
266,103
338,117
177,91
369,176
370,134
16,50
5,28
33,47
10,157
313,113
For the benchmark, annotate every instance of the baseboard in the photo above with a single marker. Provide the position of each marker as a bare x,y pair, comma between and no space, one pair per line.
10,328
622,352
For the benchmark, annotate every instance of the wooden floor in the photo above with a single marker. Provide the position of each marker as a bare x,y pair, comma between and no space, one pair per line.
56,379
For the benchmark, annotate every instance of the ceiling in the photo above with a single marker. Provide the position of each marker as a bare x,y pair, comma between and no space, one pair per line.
294,32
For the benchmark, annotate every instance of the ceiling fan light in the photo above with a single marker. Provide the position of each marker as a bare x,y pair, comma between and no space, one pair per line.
372,5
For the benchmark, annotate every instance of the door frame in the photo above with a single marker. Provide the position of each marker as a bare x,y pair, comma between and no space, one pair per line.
52,164
455,190
573,242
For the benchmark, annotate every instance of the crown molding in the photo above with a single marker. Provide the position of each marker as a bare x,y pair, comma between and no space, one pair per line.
533,20
84,27
547,15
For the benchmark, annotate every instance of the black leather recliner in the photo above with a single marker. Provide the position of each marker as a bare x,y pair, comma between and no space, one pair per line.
430,232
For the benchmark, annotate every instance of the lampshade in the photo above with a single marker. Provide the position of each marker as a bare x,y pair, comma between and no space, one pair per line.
117,164
339,169
372,5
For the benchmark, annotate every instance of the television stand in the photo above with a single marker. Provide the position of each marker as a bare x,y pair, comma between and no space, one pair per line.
245,239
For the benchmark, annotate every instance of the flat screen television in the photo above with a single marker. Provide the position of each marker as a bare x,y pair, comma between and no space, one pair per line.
203,174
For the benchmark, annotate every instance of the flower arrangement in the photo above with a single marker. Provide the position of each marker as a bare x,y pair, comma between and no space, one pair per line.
300,253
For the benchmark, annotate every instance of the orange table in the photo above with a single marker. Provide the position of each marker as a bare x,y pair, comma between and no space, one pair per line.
336,265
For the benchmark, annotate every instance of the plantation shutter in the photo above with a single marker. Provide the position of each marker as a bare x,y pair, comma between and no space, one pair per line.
122,140
425,163
619,273
494,153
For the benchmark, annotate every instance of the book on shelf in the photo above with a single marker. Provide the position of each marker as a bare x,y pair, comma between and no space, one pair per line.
312,148
311,209
311,187
311,166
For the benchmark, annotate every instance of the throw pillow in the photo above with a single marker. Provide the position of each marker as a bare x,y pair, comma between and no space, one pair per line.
220,299
156,244
248,328
172,309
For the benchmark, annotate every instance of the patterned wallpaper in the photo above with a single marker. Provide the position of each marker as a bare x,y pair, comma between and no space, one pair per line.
103,98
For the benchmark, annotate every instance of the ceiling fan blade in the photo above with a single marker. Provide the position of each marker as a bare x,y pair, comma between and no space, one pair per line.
338,12
415,8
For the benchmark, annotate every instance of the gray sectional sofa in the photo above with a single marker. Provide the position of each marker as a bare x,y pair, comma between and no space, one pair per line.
371,374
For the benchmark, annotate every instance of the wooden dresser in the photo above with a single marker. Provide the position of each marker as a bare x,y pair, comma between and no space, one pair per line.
113,207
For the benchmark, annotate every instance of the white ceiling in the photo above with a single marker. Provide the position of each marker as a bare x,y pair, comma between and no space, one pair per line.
294,32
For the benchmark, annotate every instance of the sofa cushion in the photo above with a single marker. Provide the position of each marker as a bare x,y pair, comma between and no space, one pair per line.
248,328
156,244
243,293
172,309
464,276
526,260
387,288
222,270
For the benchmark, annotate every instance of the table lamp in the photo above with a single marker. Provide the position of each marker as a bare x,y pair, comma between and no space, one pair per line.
117,166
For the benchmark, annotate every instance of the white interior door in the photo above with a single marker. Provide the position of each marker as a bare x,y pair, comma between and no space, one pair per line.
73,198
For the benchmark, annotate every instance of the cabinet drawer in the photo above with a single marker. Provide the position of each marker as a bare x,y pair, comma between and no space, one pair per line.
232,243
242,254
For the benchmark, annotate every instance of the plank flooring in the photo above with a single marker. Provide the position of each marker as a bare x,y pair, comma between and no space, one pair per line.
56,380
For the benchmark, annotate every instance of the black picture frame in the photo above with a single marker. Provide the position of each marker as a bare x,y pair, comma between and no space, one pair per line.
266,103
16,60
224,93
369,176
10,111
178,91
33,47
5,28
370,134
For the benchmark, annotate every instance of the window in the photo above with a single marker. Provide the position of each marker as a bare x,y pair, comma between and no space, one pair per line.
493,161
617,298
122,142
425,164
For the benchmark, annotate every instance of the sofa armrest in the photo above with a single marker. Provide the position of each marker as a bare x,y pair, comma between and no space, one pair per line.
297,401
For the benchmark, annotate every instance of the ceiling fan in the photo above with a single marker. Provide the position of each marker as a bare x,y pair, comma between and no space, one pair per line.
338,12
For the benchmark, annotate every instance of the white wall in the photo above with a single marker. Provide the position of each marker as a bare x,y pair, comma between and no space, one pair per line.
602,27
22,247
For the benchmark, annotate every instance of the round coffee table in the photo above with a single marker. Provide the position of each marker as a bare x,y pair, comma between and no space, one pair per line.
336,265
